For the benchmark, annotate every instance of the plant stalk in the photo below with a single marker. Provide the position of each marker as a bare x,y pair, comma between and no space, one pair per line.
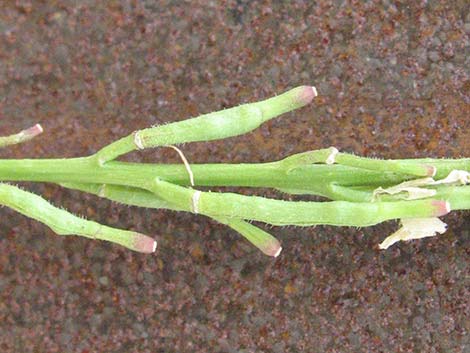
312,179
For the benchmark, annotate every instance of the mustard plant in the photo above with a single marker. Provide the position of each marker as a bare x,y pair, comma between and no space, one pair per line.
360,191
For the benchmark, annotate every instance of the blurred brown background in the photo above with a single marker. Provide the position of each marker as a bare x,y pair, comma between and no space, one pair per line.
394,82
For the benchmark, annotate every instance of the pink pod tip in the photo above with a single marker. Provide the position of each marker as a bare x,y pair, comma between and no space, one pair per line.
440,208
306,94
272,248
144,244
431,170
33,131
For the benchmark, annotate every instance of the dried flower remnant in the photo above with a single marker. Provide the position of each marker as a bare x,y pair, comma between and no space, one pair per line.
415,228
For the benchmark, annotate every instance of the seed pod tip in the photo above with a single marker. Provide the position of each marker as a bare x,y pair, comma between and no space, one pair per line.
431,170
272,247
306,94
32,131
440,208
144,244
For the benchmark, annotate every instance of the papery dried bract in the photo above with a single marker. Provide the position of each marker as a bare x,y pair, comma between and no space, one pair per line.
415,228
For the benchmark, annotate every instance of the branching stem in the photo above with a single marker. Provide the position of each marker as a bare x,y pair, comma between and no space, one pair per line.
363,191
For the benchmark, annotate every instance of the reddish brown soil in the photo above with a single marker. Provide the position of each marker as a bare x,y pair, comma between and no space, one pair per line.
394,79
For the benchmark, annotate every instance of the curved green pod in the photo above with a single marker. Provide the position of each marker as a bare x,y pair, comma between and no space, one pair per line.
65,223
213,126
299,213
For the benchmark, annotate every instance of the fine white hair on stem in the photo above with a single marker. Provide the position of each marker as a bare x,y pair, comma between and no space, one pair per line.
186,164
195,201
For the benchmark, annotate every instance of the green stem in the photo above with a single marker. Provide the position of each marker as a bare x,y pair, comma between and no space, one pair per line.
457,196
316,179
123,194
416,168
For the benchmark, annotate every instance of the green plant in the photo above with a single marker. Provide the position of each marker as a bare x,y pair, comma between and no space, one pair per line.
362,191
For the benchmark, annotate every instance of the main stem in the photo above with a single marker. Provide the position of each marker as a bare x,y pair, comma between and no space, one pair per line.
85,170
318,179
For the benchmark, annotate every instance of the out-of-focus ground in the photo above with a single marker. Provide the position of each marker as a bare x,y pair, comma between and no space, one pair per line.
394,82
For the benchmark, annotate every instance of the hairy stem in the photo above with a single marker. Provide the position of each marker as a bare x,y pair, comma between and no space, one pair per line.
308,179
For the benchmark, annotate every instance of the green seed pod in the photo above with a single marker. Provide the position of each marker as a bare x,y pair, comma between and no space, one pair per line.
278,212
218,125
65,223
256,236
22,136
